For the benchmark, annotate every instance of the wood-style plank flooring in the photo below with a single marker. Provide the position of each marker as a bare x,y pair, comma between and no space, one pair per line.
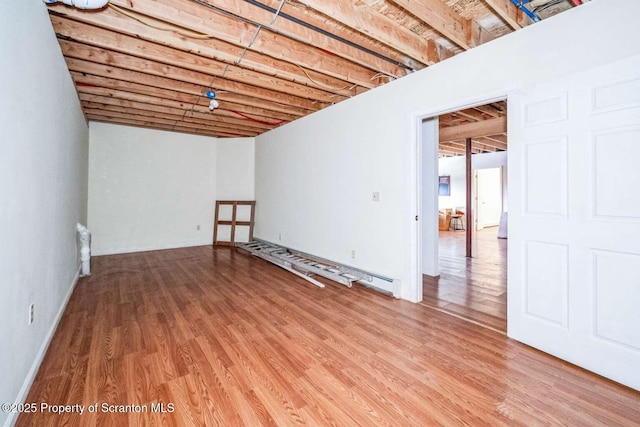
229,340
472,288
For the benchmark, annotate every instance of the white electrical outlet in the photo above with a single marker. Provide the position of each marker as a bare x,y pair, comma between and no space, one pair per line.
31,312
376,196
197,227
353,254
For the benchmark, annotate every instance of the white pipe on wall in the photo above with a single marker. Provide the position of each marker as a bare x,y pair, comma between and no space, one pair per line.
82,4
85,249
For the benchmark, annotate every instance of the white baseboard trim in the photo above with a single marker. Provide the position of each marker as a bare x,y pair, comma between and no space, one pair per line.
115,251
31,376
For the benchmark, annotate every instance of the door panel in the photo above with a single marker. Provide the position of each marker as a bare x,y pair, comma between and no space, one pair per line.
488,197
574,219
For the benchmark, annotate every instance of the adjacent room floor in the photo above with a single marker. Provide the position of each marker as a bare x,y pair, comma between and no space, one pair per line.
472,288
222,338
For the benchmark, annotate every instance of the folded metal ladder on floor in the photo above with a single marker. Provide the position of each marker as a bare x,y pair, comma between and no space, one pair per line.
304,265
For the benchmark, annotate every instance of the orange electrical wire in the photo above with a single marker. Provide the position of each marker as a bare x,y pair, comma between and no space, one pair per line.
258,121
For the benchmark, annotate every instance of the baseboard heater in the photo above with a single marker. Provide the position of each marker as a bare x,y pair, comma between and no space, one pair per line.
306,265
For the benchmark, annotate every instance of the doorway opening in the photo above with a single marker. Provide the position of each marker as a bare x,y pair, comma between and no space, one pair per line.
472,206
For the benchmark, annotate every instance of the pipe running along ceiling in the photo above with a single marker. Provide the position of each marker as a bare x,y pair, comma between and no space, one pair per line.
151,63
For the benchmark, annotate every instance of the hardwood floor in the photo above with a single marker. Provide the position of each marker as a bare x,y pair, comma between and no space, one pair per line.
226,339
472,288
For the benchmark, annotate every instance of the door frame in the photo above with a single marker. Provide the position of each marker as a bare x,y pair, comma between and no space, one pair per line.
416,249
476,199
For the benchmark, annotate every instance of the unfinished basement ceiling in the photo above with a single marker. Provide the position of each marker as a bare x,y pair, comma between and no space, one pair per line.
151,63
485,125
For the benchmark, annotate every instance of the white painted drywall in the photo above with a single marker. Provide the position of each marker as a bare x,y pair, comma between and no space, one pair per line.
315,176
43,191
149,189
235,169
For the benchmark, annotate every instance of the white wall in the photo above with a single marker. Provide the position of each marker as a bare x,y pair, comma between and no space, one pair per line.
151,189
236,181
456,168
235,169
314,177
43,191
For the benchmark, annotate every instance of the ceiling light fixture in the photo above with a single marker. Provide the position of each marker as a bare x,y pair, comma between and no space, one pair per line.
213,104
81,4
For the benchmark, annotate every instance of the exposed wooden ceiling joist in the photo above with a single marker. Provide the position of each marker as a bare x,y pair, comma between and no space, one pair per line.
443,19
379,27
150,63
492,143
110,104
96,109
484,124
231,101
345,35
167,122
271,20
204,21
129,53
160,108
490,110
473,130
501,138
508,13
210,49
82,70
260,113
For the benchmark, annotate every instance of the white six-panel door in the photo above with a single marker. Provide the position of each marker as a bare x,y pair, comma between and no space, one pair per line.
574,219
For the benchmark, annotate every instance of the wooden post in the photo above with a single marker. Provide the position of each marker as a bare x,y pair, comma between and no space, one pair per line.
467,212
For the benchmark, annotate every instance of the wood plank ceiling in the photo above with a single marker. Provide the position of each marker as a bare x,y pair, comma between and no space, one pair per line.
150,63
